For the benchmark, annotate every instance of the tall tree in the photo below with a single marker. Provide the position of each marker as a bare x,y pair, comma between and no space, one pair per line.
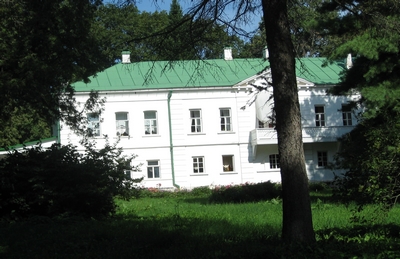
297,218
370,30
45,45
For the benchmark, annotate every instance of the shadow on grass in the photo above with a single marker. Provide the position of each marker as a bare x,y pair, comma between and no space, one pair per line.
133,237
176,237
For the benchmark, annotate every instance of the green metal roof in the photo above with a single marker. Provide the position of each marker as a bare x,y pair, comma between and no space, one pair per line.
196,73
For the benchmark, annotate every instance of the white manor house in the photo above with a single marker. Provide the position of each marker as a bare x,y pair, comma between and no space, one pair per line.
201,123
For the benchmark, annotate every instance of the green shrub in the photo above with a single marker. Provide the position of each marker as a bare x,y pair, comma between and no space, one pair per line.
61,181
248,192
319,186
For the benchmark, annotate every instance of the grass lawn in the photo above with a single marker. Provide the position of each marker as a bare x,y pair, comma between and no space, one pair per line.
188,226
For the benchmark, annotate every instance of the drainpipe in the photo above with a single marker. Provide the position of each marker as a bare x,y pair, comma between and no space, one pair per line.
171,145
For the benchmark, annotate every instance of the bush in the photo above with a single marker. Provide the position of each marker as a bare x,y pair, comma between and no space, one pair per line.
245,192
61,181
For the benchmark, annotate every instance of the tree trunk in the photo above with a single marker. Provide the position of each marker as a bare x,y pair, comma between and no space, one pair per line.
297,218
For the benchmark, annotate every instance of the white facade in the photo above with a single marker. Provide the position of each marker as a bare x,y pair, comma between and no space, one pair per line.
201,136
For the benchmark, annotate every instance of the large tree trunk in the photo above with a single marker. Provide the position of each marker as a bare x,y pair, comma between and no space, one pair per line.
297,218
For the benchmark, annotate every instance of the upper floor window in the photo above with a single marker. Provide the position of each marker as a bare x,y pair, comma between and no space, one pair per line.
153,169
320,116
150,122
122,123
127,170
227,163
226,120
274,161
195,121
93,124
346,115
322,158
267,124
198,164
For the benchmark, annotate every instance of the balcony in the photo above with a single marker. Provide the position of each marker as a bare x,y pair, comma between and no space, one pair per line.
267,136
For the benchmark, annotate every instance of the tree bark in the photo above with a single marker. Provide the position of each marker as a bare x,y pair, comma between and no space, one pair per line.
297,217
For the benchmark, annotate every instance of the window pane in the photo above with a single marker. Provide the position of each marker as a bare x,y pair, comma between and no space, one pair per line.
227,163
156,172
121,116
153,162
194,114
92,117
224,112
149,114
150,172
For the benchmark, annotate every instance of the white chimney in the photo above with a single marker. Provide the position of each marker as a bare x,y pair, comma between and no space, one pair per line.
265,53
349,61
228,53
126,57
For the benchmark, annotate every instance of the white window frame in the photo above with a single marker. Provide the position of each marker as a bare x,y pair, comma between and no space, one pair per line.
320,116
153,169
274,162
322,159
150,124
228,163
122,125
225,120
198,165
195,121
347,117
94,125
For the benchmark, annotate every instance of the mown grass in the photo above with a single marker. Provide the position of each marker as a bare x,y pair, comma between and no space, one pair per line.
189,226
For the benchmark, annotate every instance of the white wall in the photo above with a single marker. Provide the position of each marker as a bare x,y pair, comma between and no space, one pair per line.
211,143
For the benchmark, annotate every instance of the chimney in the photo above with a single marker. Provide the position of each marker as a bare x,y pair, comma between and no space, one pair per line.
126,57
349,61
228,53
265,53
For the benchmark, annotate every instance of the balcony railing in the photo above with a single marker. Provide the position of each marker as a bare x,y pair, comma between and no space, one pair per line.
310,134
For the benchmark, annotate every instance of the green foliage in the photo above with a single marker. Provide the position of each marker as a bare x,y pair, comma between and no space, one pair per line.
61,181
245,192
159,35
369,30
46,45
24,125
371,153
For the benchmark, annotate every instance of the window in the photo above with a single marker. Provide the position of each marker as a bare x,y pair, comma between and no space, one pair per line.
127,170
198,164
195,120
274,161
319,116
150,122
153,169
122,123
93,124
322,158
128,174
346,115
226,122
265,125
227,163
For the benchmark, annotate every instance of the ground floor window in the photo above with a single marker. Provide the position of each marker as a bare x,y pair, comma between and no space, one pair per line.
274,161
227,163
153,169
198,164
322,158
